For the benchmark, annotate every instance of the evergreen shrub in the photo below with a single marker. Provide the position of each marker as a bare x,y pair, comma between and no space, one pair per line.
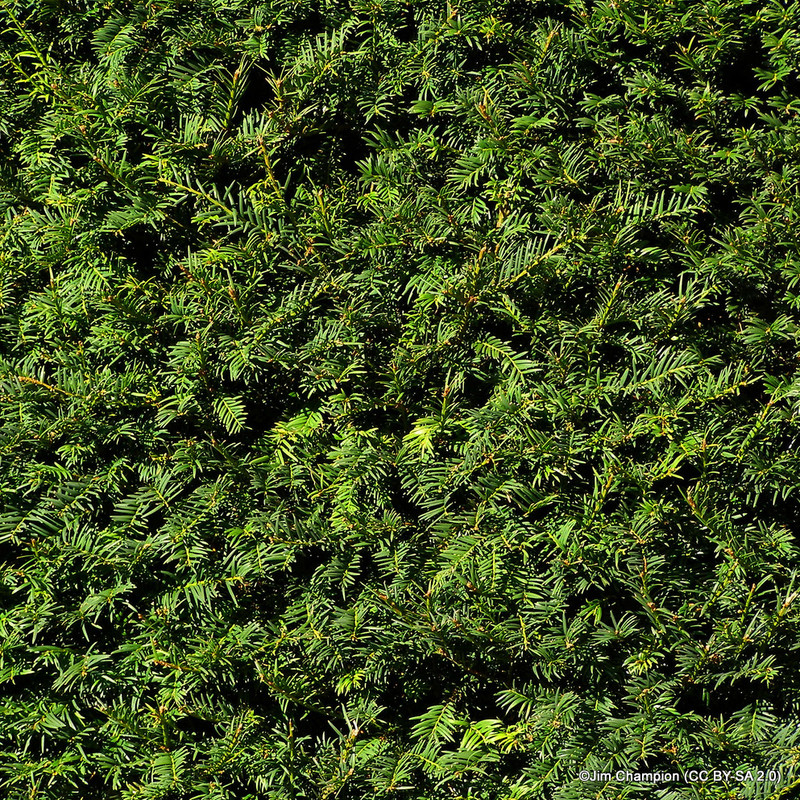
399,399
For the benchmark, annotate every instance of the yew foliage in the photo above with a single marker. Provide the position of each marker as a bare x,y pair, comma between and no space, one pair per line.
399,399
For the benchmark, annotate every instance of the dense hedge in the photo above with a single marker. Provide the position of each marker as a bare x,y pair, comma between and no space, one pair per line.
399,399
